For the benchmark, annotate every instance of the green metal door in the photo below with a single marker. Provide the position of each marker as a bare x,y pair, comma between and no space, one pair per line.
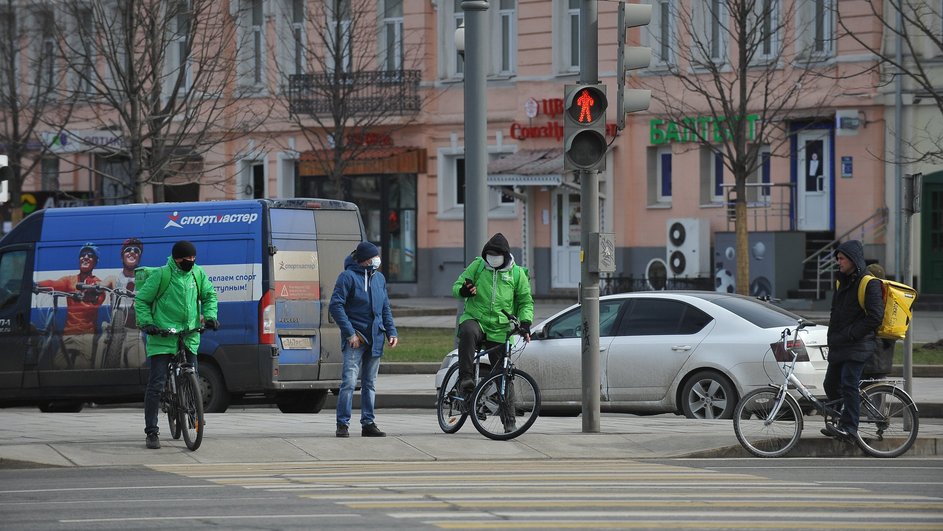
931,231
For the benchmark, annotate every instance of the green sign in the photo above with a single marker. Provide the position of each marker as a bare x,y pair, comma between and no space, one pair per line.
698,129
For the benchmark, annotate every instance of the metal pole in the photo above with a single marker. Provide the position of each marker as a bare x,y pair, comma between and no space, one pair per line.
476,127
589,207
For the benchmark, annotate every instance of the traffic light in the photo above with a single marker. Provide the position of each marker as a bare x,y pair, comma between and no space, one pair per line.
631,58
584,129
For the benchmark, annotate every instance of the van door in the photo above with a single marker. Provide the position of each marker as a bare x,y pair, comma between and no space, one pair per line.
17,358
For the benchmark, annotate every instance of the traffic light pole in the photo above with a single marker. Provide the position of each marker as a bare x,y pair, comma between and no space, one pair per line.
589,211
476,127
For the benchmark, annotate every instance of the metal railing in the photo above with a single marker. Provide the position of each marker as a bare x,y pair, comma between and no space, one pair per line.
375,92
769,206
872,227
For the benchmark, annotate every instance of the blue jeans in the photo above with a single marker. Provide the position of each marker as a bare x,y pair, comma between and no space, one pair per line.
841,381
358,362
157,375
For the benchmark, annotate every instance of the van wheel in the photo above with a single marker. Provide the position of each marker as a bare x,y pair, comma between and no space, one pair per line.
61,406
213,388
302,402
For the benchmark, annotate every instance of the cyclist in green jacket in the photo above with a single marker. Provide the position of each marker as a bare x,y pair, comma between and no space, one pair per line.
186,298
490,284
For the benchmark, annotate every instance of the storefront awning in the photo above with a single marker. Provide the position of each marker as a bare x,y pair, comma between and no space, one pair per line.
527,167
368,161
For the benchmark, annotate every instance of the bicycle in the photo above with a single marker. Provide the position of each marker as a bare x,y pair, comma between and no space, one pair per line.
506,403
49,342
768,421
112,350
181,399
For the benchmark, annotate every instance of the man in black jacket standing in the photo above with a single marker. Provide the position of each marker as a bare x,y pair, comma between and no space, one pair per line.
851,336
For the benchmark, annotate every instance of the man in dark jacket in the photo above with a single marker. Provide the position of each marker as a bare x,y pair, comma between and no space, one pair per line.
851,334
361,308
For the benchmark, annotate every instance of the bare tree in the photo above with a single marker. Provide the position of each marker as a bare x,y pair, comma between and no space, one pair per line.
163,75
913,26
30,74
732,83
347,79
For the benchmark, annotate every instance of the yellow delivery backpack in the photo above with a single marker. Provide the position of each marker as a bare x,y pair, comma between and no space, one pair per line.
898,298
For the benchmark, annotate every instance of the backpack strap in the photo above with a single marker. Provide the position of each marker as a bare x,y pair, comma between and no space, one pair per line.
863,287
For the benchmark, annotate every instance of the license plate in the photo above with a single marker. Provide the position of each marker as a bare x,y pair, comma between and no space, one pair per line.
296,343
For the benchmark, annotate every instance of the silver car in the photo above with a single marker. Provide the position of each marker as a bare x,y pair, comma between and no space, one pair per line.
689,352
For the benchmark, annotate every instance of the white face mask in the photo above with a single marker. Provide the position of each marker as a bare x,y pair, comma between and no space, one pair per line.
375,262
494,260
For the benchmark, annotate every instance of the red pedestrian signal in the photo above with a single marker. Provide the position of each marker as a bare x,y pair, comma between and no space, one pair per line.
584,144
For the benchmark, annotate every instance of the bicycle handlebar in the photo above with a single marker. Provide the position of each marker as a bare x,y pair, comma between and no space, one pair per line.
99,287
174,332
37,289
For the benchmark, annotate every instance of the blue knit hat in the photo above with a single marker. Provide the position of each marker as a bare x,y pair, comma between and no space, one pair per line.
365,251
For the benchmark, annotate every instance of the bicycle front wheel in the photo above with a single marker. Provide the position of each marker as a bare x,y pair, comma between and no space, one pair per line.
767,422
169,405
505,406
191,409
449,403
888,423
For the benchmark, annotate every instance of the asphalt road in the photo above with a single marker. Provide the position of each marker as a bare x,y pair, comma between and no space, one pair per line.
582,494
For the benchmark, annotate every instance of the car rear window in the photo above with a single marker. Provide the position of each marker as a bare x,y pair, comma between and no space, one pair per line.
759,313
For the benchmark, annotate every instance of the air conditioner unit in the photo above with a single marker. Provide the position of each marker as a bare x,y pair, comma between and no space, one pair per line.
688,248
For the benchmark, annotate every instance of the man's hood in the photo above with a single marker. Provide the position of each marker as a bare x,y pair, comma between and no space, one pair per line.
855,252
498,244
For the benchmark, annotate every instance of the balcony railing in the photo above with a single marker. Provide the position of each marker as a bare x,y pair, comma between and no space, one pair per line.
373,92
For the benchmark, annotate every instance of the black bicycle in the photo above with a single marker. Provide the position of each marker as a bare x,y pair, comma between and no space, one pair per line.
182,400
506,403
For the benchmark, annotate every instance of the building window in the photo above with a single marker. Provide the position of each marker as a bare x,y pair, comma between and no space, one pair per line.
507,15
180,51
85,60
46,60
49,172
571,36
761,176
452,181
8,48
766,23
392,35
341,40
298,36
661,33
258,41
459,170
659,175
709,34
817,27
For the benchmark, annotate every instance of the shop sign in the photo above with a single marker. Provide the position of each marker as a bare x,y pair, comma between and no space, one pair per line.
84,141
697,129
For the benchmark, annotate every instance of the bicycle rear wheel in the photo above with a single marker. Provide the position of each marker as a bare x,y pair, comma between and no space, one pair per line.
761,431
506,407
169,405
888,422
191,409
449,403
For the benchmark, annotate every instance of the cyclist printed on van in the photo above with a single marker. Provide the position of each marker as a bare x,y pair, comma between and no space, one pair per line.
122,338
81,322
490,284
178,306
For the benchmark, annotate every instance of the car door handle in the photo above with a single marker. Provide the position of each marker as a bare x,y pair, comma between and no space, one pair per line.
603,349
681,348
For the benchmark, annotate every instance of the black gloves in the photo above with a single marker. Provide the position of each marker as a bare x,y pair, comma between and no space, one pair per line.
150,330
525,328
212,324
465,290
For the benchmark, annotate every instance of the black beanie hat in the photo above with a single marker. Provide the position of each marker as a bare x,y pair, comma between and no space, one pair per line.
183,249
365,251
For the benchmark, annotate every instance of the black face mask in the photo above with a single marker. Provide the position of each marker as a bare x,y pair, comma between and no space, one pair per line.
186,265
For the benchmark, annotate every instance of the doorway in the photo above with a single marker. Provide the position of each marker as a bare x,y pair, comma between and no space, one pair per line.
931,234
814,180
565,251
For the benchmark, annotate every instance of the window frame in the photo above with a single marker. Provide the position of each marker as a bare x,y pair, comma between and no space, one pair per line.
449,206
451,64
663,48
299,37
763,56
180,56
663,177
391,24
506,45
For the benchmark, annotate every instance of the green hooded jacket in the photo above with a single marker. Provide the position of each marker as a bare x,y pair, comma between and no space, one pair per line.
178,306
497,289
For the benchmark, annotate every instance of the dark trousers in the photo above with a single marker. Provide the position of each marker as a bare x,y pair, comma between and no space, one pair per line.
841,381
470,336
157,376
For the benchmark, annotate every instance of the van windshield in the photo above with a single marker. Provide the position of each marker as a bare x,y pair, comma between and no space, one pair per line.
12,266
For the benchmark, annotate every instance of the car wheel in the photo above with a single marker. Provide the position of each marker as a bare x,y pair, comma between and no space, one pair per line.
708,395
213,388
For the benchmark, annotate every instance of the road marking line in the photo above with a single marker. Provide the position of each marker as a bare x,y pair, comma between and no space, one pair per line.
207,517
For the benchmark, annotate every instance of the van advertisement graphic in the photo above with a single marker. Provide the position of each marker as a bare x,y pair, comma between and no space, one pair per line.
297,275
83,302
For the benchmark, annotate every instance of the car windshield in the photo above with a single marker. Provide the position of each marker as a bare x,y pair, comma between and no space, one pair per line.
761,314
